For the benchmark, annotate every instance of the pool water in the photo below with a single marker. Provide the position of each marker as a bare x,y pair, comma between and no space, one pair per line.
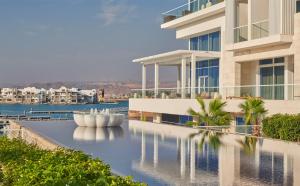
160,154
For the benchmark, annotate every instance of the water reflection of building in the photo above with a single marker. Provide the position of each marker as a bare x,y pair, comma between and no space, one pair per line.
272,162
97,134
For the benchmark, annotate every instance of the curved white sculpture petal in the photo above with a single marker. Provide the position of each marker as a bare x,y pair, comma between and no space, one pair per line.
115,120
90,120
102,120
79,119
95,119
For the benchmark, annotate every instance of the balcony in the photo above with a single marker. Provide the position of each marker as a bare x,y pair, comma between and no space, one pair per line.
189,8
240,34
258,30
267,92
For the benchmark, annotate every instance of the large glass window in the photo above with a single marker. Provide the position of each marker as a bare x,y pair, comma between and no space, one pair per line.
208,42
272,78
207,76
298,6
194,43
203,43
214,41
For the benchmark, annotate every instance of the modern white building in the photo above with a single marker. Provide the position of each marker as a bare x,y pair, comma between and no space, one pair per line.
237,48
33,95
62,95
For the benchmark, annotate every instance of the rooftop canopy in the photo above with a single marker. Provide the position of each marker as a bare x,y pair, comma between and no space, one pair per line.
175,57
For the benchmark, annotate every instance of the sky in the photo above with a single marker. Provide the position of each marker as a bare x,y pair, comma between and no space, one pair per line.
81,40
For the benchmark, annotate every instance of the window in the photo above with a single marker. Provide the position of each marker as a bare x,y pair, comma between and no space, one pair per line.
207,75
272,78
208,42
194,43
298,6
214,41
203,43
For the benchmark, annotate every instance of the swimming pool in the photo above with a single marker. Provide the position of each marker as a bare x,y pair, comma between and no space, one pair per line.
161,154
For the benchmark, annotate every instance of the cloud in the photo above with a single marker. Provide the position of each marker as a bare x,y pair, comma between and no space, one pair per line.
37,29
113,11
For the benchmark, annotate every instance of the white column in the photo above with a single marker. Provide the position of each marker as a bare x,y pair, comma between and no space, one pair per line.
178,79
250,5
189,80
144,80
286,78
155,150
182,158
156,78
193,77
183,78
257,79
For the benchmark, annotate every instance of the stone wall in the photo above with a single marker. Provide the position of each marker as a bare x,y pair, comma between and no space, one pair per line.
31,137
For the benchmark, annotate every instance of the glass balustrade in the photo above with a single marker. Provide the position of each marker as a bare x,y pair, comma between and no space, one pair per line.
188,8
267,92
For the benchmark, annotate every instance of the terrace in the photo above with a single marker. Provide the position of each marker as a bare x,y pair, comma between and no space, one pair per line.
188,8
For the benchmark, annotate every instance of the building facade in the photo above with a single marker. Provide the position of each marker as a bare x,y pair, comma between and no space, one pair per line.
236,48
62,95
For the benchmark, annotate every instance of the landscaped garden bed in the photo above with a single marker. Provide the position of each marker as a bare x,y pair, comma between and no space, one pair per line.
282,126
24,164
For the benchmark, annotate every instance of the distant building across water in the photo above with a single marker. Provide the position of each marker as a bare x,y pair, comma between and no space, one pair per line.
63,95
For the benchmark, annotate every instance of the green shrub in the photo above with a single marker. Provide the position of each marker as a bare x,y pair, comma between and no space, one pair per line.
22,164
284,127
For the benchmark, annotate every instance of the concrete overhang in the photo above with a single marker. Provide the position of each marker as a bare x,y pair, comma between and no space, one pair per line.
196,16
260,43
174,57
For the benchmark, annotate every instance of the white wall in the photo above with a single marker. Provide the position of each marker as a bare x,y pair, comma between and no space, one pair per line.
180,106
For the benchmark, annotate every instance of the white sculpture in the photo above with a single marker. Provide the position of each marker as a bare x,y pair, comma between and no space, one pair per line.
94,118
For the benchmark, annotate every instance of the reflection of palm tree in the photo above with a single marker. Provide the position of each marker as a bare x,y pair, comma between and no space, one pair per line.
254,110
248,144
212,137
214,115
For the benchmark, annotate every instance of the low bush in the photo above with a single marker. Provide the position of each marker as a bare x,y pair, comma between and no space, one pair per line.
284,127
22,164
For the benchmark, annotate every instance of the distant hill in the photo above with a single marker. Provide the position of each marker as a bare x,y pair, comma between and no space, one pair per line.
110,87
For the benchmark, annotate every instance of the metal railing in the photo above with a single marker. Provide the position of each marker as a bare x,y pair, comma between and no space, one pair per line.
268,92
188,8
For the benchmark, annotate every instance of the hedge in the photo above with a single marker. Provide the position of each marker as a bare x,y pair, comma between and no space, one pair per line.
284,127
23,165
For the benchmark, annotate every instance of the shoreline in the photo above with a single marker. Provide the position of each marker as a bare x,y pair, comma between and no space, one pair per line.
32,137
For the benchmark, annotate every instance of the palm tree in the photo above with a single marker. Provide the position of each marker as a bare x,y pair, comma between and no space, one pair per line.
254,111
213,116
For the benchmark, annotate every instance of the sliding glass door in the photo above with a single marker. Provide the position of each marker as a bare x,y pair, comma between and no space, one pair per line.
207,76
279,82
266,82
